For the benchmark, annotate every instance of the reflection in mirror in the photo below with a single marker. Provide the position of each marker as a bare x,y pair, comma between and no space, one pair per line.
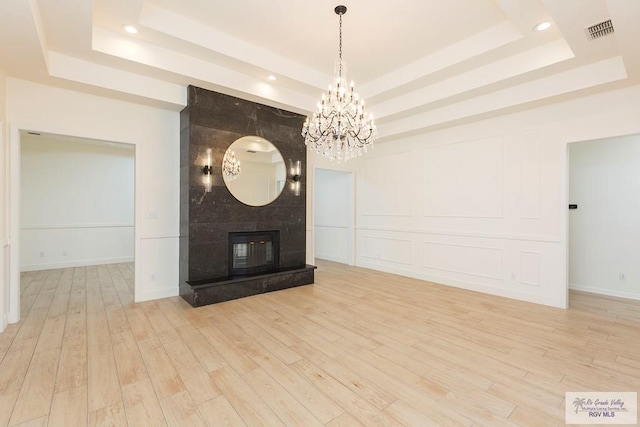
230,165
254,171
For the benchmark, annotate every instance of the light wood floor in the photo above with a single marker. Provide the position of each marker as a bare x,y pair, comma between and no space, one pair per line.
357,348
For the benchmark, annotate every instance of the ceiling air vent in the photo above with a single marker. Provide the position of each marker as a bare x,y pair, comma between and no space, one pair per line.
600,29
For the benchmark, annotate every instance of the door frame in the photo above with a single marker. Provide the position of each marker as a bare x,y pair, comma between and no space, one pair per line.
13,213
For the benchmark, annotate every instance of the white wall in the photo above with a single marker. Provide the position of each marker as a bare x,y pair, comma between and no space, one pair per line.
604,232
154,132
4,248
333,215
482,206
77,202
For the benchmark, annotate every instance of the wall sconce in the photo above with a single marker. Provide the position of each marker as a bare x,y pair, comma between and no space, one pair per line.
296,171
207,171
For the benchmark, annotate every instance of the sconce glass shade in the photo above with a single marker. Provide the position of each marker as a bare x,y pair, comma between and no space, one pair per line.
207,178
296,171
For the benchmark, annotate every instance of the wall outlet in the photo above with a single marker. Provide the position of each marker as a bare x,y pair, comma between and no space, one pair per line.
41,254
152,215
623,276
153,277
513,276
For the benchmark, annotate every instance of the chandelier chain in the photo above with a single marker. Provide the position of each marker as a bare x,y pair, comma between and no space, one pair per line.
340,45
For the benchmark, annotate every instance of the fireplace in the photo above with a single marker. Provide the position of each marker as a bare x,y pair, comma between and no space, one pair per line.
253,252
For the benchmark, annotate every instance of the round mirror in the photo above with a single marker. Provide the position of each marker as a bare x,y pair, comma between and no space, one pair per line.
253,170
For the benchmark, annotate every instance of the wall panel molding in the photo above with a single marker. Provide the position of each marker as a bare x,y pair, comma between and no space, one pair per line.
464,259
457,185
400,251
72,226
501,236
381,192
531,177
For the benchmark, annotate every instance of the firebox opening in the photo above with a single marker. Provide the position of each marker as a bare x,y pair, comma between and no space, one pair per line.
253,252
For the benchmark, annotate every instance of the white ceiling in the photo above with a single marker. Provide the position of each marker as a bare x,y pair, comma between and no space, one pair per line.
419,64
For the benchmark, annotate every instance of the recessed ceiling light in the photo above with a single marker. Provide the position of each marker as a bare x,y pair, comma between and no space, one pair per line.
272,77
542,26
130,29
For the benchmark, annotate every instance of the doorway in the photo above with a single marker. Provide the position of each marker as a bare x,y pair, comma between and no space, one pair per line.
73,204
333,216
604,207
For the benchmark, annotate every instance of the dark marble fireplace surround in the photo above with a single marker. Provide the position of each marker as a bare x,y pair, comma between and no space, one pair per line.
214,120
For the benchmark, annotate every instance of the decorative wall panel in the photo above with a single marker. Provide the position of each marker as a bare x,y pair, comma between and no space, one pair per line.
388,193
464,179
531,185
399,251
471,260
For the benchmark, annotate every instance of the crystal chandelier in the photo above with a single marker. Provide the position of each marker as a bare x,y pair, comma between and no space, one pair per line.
230,166
340,129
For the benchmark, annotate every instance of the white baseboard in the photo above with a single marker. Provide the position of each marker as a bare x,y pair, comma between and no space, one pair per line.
157,294
75,263
332,258
607,292
3,322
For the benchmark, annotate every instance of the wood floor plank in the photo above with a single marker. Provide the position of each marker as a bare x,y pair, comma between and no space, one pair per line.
359,347
345,420
141,404
36,422
6,338
195,378
266,340
69,408
290,411
7,403
252,410
232,354
163,374
180,410
409,416
163,328
139,323
108,416
208,356
102,375
129,363
357,406
319,404
362,385
72,367
219,412
34,400
12,371
52,333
